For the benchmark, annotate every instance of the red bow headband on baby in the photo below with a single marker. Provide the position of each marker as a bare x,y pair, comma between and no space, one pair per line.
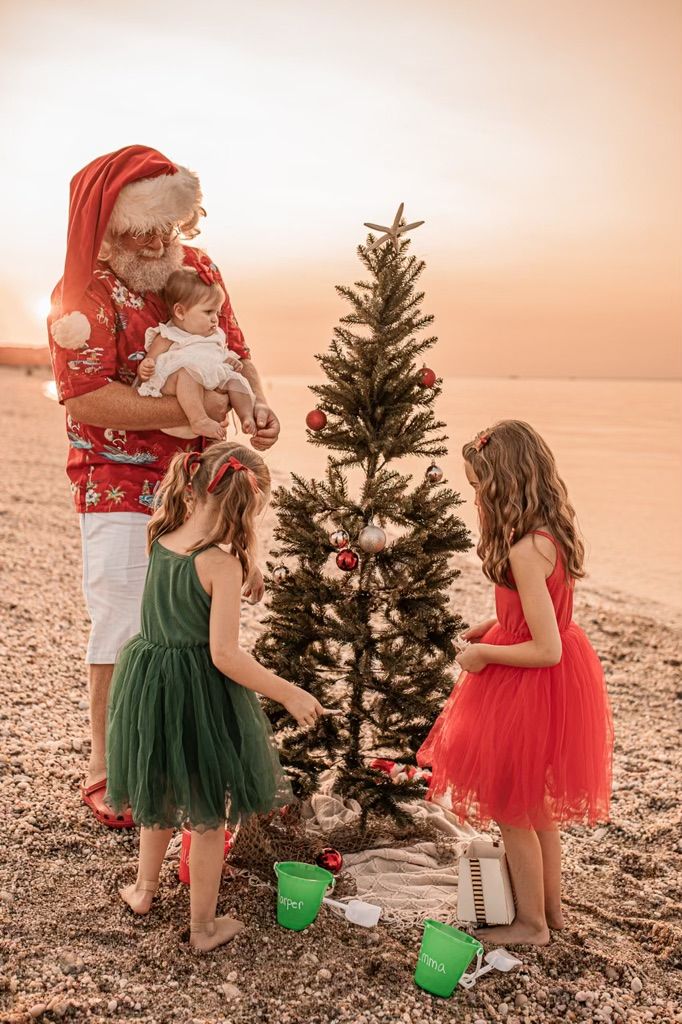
206,275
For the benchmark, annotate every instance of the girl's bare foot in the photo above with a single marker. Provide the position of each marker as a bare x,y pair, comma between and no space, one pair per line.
139,896
248,425
518,933
555,919
206,427
211,934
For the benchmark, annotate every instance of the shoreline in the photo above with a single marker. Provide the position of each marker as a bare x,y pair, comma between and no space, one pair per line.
72,951
601,590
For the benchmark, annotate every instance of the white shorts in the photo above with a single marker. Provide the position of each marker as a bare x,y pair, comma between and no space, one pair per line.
114,570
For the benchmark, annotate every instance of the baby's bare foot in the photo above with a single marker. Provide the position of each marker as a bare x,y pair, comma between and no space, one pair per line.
518,933
248,425
207,427
138,896
212,934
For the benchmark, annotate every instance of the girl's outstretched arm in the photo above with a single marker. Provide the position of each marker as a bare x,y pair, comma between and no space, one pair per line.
222,573
474,633
529,567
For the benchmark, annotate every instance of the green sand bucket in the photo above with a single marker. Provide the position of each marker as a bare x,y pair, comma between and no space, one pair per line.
300,888
444,956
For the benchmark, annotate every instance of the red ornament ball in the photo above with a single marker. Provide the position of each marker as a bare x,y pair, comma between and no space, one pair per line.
427,377
329,859
316,419
347,560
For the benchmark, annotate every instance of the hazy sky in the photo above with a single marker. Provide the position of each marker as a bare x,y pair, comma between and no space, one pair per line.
540,141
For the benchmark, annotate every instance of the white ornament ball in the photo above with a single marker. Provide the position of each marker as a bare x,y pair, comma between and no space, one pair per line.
339,539
372,539
280,573
434,474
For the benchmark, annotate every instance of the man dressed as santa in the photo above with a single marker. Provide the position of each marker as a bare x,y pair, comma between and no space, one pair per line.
128,216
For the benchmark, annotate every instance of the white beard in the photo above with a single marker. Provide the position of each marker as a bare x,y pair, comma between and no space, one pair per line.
144,274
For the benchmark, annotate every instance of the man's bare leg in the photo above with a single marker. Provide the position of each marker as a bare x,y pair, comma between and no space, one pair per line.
243,406
99,680
190,395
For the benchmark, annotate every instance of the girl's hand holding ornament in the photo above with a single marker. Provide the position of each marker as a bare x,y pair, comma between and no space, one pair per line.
254,588
302,706
473,658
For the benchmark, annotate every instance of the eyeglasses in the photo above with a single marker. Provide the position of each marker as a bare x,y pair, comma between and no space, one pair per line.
143,238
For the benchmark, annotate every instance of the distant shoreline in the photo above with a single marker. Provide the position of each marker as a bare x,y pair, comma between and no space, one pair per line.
31,354
616,598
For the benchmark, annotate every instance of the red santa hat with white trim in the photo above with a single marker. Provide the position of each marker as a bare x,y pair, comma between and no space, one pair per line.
134,189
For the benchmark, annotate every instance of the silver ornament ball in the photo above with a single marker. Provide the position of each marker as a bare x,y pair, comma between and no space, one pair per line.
339,539
372,539
280,573
434,474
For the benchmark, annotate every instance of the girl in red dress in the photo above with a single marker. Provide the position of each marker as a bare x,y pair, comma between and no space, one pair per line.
526,736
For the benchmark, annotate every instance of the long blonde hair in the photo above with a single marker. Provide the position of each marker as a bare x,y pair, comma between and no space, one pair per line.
239,496
520,490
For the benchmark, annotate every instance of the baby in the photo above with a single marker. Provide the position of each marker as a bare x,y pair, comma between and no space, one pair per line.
192,346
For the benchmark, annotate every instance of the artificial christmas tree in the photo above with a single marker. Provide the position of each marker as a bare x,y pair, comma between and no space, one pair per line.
373,638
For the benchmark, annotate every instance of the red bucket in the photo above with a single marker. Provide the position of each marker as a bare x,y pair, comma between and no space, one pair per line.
183,866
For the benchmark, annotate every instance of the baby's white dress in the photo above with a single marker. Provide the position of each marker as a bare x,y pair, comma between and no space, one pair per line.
204,359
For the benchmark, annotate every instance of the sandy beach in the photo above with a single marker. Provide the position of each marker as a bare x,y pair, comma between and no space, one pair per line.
69,948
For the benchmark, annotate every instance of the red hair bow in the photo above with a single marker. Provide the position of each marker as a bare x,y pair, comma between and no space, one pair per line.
232,465
190,459
206,275
481,441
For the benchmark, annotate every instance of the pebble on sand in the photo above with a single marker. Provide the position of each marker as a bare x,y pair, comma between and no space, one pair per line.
230,991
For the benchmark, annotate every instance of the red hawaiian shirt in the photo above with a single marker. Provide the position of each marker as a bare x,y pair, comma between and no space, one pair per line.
117,470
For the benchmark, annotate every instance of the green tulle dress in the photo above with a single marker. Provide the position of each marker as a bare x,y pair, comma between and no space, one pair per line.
185,744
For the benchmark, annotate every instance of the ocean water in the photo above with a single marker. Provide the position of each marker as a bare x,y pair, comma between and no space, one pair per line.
618,444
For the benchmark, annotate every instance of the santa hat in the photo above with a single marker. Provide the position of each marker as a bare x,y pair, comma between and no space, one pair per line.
133,189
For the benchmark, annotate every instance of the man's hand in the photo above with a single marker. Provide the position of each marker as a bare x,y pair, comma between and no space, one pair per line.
267,427
146,368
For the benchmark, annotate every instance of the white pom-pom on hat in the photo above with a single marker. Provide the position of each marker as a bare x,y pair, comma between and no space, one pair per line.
71,331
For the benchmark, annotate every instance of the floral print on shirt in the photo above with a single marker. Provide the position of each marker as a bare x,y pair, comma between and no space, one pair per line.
118,470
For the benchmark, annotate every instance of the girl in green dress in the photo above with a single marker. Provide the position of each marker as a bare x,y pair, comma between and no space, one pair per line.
188,743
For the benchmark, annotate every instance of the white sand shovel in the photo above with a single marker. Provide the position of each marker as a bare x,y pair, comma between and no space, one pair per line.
496,960
357,911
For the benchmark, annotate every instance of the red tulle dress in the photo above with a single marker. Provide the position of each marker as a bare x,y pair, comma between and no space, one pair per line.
527,747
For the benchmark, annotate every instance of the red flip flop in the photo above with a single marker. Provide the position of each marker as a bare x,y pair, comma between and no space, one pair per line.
93,797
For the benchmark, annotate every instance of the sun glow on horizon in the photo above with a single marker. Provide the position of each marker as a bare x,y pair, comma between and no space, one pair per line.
41,308
540,149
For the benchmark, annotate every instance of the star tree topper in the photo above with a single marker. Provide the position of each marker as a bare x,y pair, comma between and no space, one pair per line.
393,232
